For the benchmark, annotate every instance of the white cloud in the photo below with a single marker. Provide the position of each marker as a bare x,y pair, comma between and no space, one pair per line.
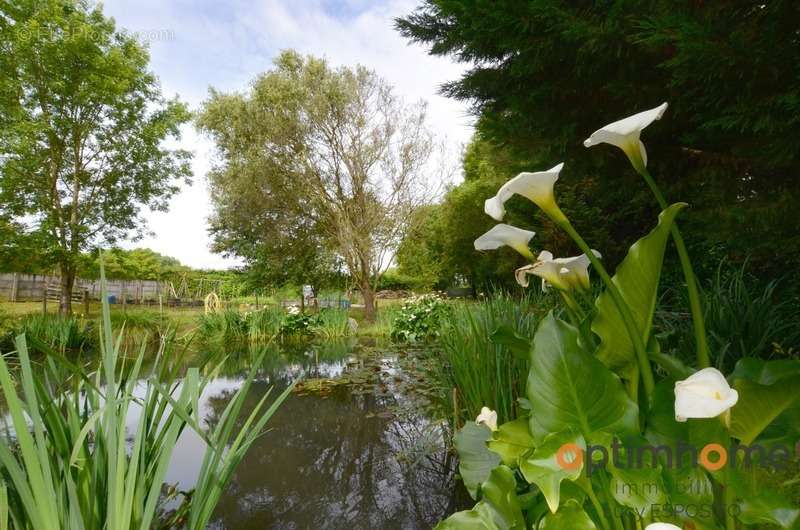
225,44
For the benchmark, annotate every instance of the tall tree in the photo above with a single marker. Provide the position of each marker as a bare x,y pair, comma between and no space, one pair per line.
542,75
82,129
332,149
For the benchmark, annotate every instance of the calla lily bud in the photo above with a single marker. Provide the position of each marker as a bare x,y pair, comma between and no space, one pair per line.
625,134
506,235
537,187
487,417
704,394
662,526
561,273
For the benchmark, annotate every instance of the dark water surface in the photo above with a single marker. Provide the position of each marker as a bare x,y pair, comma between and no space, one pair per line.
362,459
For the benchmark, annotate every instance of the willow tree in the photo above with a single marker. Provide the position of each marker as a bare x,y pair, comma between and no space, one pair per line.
82,131
330,148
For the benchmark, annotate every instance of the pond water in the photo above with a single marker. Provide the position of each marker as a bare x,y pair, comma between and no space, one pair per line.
354,457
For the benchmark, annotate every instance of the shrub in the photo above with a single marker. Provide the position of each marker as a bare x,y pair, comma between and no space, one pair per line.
419,318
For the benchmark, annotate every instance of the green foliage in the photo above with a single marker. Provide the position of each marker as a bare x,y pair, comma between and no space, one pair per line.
542,75
136,264
637,279
483,371
265,325
583,390
332,324
745,317
440,247
77,466
65,334
83,126
301,191
558,391
419,318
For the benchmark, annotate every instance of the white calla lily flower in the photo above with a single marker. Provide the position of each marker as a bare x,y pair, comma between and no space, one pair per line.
506,235
704,394
662,526
537,187
625,134
487,417
561,273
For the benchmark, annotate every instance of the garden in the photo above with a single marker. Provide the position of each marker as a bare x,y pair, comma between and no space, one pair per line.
588,319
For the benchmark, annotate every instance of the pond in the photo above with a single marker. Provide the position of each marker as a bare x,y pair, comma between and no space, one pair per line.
353,456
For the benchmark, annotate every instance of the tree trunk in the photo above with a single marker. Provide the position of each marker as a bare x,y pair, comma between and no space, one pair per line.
369,301
67,283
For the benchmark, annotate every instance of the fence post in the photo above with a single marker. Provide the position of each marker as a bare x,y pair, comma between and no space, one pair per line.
44,298
14,286
86,302
124,293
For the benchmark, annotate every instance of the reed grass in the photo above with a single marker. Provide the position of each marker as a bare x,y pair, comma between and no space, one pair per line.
68,461
482,372
332,324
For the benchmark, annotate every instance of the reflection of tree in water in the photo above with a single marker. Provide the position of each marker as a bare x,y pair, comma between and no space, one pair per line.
324,464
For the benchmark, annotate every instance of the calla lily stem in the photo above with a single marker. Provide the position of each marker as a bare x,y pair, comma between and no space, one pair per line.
703,358
630,324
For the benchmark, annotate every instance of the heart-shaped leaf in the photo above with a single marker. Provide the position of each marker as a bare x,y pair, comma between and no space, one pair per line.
476,461
500,492
542,467
759,405
499,509
518,345
637,279
640,488
569,389
570,516
511,440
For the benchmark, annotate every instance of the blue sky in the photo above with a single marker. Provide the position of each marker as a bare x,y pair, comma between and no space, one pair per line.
225,44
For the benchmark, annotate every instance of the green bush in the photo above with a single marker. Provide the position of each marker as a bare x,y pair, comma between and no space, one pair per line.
419,318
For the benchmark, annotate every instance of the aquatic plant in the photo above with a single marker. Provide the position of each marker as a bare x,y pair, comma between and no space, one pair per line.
744,318
63,333
70,461
484,372
332,324
604,444
419,318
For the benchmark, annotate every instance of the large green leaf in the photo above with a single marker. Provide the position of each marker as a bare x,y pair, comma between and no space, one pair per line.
571,516
476,461
639,488
758,504
542,467
569,389
478,518
759,405
499,492
511,440
518,345
785,428
637,279
499,509
765,372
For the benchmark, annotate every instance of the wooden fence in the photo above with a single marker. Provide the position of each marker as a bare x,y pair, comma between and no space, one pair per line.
16,287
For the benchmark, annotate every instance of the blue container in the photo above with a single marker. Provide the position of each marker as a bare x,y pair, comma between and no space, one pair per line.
112,299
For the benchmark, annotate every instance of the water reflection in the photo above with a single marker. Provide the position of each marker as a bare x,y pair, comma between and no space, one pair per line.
346,460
